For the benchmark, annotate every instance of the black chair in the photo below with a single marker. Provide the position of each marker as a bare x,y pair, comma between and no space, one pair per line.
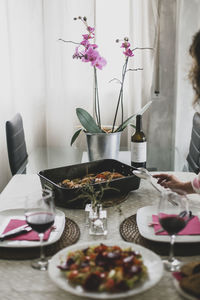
193,157
16,145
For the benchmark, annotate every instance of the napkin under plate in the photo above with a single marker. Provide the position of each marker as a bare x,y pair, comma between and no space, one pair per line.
28,236
192,227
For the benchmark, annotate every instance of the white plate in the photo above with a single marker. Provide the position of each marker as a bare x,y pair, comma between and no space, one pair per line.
182,292
6,215
144,217
151,260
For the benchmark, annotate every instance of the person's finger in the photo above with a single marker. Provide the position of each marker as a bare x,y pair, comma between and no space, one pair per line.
160,180
160,176
162,183
165,184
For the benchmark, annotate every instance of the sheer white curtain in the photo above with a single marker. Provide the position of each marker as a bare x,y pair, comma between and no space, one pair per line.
69,83
185,94
21,73
40,79
144,32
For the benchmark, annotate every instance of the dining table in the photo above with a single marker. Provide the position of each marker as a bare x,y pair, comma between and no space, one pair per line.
19,281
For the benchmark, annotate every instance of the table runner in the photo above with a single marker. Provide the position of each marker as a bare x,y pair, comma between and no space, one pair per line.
130,233
70,235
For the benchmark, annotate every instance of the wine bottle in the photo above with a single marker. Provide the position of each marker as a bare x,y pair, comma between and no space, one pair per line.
138,145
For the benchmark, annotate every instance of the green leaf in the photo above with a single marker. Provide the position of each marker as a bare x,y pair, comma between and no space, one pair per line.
76,134
132,125
125,123
144,108
87,121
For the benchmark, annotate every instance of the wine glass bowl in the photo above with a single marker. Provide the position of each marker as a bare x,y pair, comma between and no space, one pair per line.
40,221
40,214
173,218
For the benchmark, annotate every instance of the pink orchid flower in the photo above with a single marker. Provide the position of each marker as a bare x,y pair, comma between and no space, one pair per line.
90,29
94,46
76,53
128,52
86,36
90,55
100,62
125,45
85,43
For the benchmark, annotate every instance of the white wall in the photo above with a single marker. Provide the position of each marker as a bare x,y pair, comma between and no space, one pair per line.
188,25
170,121
161,122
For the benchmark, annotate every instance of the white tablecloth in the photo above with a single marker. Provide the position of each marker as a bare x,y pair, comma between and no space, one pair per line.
20,282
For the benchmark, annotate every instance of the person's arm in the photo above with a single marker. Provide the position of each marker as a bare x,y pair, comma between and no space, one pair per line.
170,181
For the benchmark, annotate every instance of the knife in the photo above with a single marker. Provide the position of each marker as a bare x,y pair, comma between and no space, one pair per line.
14,232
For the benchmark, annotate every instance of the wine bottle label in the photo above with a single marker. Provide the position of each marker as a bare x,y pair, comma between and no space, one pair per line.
138,152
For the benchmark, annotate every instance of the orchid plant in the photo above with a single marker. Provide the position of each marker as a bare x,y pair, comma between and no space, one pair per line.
87,52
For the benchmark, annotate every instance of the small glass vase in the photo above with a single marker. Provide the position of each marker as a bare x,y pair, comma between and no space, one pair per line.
97,221
88,209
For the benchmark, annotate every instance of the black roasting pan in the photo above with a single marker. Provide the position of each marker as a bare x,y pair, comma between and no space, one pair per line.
51,177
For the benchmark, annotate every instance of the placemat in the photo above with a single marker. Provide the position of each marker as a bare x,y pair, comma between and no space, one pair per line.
70,235
130,233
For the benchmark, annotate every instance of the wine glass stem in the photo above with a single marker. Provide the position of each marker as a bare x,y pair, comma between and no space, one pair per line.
42,255
171,251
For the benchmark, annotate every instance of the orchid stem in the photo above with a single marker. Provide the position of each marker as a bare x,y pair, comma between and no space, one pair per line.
122,107
120,98
96,100
68,41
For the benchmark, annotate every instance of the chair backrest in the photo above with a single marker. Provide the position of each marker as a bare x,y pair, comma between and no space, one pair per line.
16,145
193,157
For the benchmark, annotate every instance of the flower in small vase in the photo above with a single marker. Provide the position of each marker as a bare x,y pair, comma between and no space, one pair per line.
88,52
93,194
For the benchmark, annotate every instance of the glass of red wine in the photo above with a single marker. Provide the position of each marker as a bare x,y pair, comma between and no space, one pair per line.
173,216
40,214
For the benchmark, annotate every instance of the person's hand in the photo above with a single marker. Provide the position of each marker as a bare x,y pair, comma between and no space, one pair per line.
168,181
173,183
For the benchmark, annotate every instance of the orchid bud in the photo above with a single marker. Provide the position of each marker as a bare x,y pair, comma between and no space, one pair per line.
117,41
84,19
126,39
75,18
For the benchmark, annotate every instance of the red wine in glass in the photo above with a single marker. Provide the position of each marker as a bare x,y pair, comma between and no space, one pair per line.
40,221
172,224
171,206
39,213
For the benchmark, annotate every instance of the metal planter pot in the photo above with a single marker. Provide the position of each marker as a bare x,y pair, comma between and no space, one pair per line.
103,145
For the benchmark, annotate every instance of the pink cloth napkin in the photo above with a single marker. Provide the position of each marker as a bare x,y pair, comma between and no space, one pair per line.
192,228
28,236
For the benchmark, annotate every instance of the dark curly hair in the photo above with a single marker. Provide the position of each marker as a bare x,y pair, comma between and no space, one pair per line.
194,74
